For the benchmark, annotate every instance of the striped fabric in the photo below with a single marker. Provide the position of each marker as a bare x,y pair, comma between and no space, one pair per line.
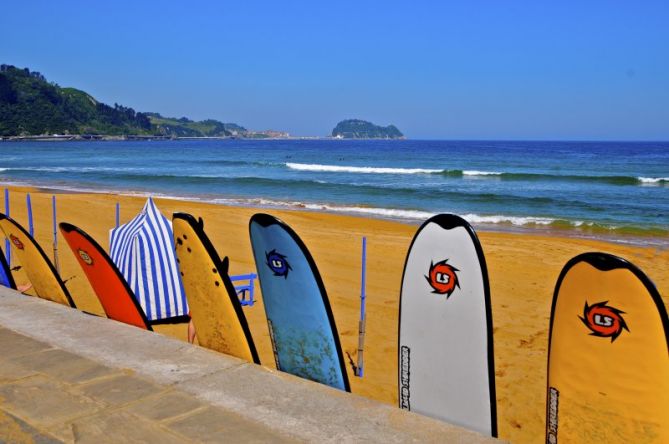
143,250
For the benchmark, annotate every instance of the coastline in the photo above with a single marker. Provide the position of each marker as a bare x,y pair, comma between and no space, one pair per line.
130,137
508,224
523,268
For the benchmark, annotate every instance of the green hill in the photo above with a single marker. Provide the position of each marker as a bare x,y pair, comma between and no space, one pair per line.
361,129
31,106
185,127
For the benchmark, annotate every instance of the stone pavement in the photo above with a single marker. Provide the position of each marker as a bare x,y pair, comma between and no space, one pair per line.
51,395
70,377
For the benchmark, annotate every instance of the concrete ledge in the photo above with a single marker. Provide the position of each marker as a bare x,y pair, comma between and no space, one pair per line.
287,405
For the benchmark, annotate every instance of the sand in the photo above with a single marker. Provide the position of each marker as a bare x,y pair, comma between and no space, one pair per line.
523,269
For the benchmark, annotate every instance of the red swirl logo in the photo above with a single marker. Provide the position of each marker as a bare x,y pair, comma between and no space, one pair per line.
16,241
443,278
603,320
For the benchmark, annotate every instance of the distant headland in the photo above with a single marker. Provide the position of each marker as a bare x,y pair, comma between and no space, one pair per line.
361,129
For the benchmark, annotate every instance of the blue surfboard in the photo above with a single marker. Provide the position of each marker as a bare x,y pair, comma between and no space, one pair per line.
301,325
6,278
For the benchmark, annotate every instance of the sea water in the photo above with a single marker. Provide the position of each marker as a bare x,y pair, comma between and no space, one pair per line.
618,189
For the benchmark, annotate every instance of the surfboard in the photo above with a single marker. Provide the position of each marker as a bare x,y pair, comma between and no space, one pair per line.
301,325
214,306
608,355
116,297
445,354
37,266
6,279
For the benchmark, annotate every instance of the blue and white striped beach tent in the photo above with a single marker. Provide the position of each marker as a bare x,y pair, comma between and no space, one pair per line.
143,250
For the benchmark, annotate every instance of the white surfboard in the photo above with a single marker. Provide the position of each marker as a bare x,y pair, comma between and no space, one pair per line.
446,367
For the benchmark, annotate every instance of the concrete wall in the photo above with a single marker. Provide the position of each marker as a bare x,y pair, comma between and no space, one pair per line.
290,406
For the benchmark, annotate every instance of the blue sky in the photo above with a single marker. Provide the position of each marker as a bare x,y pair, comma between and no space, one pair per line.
577,70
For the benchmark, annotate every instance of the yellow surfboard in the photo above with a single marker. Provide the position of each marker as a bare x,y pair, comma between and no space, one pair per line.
608,362
37,266
214,306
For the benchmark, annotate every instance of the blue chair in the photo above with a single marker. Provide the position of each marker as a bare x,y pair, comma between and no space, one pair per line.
245,291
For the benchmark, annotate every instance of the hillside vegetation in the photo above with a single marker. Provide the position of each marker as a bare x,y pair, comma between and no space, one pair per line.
185,127
361,129
31,106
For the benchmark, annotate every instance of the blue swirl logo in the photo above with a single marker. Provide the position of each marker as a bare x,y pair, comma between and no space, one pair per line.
278,264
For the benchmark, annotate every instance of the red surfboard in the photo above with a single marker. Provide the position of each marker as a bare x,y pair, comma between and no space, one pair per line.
116,297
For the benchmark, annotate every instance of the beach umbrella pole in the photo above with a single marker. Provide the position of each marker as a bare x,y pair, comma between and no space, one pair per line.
361,324
118,214
8,245
55,236
29,205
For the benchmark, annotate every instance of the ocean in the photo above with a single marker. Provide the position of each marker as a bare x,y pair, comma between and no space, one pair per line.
617,190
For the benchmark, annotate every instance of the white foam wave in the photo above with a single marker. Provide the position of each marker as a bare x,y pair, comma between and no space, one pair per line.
392,213
480,173
70,169
354,169
512,220
421,215
379,212
653,180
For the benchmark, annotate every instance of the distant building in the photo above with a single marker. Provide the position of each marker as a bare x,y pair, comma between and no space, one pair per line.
270,134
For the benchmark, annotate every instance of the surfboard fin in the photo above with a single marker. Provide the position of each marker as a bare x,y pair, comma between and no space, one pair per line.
225,265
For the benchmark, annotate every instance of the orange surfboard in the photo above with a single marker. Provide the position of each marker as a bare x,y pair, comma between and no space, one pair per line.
608,359
116,297
37,266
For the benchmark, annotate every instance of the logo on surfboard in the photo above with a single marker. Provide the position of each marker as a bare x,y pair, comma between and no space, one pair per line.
443,278
405,374
552,421
603,320
16,241
278,264
88,260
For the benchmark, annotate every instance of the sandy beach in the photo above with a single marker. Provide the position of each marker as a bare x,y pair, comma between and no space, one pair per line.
523,268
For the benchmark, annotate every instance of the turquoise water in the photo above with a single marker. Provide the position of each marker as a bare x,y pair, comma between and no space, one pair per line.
610,188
